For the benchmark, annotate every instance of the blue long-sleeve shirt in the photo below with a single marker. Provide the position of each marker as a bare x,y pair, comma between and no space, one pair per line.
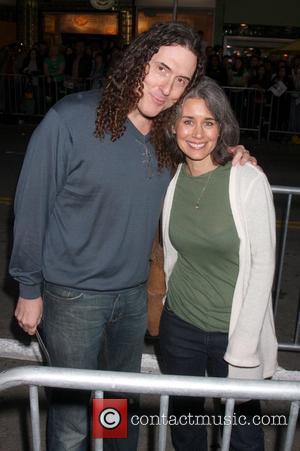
86,209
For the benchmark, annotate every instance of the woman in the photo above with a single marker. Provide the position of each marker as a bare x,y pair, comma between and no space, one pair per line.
238,75
54,69
33,69
219,245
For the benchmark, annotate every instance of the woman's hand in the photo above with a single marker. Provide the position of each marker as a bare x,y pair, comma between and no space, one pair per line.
241,155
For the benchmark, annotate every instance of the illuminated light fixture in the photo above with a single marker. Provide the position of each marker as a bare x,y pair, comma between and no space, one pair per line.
81,21
244,25
102,4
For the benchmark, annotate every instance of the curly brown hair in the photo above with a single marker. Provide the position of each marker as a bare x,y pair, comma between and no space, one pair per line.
124,86
163,137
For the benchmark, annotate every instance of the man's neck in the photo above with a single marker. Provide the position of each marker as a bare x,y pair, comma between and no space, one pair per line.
142,123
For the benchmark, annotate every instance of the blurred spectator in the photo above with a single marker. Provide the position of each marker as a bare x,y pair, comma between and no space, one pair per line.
54,68
32,83
268,69
294,119
296,77
283,76
216,71
10,65
33,63
295,63
69,57
260,79
11,83
254,64
282,100
97,72
203,42
226,63
42,49
208,52
238,75
82,62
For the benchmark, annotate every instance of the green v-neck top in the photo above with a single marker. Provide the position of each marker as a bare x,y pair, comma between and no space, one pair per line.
202,283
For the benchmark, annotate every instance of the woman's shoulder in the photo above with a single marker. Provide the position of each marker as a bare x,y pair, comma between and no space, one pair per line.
248,170
247,174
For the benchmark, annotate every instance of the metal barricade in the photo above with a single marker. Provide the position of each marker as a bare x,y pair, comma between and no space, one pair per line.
289,192
33,95
284,114
164,385
247,104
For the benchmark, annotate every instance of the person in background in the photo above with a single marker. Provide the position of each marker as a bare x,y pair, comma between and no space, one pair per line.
54,69
97,72
281,87
238,75
32,86
294,118
218,230
204,43
68,54
82,64
253,66
94,185
283,75
216,71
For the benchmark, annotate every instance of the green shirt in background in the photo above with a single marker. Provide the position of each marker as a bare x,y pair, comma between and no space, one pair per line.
54,66
203,280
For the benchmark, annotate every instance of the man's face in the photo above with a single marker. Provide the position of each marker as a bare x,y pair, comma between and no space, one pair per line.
169,73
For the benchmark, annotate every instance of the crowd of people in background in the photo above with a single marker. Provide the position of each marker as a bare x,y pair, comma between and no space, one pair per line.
91,60
252,71
77,60
50,72
56,70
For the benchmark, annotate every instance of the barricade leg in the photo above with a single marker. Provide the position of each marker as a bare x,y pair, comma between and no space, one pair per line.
35,417
163,413
294,411
227,428
98,442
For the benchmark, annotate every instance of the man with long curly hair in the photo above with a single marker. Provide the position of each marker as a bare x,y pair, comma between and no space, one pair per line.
87,207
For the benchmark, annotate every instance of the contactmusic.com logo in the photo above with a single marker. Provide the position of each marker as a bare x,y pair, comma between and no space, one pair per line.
110,418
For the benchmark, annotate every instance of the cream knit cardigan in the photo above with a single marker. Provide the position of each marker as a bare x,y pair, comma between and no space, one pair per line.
252,344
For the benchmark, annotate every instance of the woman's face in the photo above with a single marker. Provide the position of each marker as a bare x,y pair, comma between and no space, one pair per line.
197,131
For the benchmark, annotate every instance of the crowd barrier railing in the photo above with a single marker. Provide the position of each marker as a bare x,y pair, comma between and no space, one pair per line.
284,114
257,110
289,193
164,385
247,104
33,95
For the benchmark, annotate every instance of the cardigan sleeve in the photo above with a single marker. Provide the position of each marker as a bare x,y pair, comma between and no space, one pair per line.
259,218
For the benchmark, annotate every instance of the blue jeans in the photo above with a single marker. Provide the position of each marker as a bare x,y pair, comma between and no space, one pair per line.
78,327
189,351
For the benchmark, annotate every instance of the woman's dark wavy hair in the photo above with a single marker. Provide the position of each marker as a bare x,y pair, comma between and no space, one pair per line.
124,85
217,102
